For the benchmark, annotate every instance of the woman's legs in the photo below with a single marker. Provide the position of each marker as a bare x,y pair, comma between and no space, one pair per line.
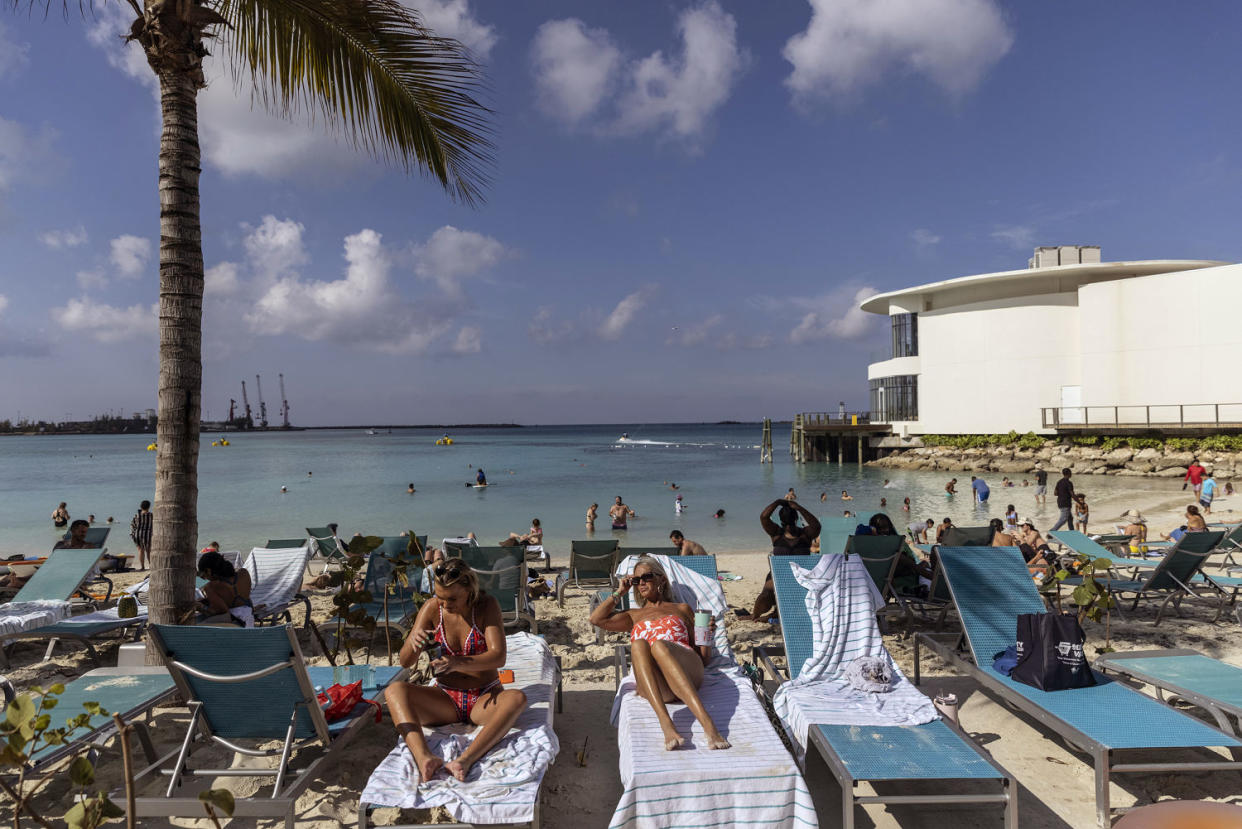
496,711
653,688
413,706
683,671
765,601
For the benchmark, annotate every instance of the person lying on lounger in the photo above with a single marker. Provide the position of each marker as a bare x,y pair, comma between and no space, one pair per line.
667,667
463,632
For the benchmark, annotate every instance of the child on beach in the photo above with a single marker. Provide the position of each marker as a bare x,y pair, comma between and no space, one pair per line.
1011,518
1081,512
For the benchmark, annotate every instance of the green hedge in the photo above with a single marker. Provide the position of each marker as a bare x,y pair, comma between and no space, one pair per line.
1212,443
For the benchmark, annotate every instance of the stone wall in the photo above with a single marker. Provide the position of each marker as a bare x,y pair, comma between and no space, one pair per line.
1083,460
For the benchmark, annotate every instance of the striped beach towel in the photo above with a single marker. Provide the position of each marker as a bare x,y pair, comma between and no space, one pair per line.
754,783
20,617
504,786
276,576
839,602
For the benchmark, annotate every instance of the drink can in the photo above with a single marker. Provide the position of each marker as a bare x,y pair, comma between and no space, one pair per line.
702,627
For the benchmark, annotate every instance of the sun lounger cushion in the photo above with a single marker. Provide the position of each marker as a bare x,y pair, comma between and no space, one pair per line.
503,787
840,620
20,617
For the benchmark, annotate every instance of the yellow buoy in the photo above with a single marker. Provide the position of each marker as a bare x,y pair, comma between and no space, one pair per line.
150,447
224,443
215,443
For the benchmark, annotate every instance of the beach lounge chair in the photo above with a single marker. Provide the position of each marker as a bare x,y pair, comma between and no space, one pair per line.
754,783
879,554
276,579
1084,544
652,551
509,584
453,547
703,565
827,714
1175,577
393,606
129,692
97,537
1186,675
505,786
991,586
45,599
836,531
327,550
967,537
591,565
243,685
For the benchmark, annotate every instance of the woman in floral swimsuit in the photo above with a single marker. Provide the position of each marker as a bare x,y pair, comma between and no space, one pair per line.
467,623
667,667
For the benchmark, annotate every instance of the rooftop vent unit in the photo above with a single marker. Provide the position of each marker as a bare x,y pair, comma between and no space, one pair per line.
1049,257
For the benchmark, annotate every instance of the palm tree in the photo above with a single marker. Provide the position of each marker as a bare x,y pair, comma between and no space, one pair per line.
369,66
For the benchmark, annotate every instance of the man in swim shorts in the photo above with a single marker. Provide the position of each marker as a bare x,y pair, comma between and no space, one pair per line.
619,513
1041,486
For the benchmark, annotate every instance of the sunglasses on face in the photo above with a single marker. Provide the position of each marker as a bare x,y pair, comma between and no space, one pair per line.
448,572
646,578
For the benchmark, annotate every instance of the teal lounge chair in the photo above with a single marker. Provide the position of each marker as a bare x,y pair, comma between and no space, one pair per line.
835,532
130,692
326,549
285,543
98,537
937,751
56,580
991,587
880,555
956,536
508,583
250,685
591,565
393,606
1186,675
651,551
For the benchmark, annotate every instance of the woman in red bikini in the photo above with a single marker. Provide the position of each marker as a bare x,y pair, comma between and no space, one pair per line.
667,668
466,623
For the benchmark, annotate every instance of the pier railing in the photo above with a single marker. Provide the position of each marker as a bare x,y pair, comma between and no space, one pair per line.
812,420
1155,416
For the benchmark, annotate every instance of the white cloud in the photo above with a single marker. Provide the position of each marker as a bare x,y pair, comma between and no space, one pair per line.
1018,236
850,44
682,92
222,279
575,68
111,23
617,321
696,334
580,75
275,247
924,238
835,315
12,53
753,342
107,323
92,280
69,238
546,327
469,340
451,256
130,255
453,18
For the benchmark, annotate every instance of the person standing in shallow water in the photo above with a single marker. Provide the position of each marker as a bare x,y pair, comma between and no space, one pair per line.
620,514
60,515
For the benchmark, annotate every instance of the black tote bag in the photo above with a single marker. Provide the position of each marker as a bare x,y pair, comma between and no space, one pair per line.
1050,652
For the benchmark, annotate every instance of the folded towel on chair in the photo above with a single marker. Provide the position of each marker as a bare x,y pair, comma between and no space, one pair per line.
19,617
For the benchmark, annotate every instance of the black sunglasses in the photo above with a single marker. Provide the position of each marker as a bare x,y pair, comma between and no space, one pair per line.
645,577
448,571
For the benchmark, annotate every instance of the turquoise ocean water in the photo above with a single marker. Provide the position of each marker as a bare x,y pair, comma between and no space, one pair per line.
549,472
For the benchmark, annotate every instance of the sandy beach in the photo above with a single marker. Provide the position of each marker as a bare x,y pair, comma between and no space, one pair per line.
1057,784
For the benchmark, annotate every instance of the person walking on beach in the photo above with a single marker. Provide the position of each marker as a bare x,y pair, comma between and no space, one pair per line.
685,546
1065,501
591,512
60,515
1041,486
1207,492
981,489
620,514
1194,476
140,532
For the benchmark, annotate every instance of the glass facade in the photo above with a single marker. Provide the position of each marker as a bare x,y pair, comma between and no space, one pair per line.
905,335
895,398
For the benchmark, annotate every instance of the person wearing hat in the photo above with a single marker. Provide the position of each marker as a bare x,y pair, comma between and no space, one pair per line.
1136,528
678,505
1034,549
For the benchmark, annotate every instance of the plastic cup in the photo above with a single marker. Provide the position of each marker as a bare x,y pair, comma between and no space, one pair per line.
702,628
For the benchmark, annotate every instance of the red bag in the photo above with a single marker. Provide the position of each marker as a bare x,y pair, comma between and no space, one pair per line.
339,700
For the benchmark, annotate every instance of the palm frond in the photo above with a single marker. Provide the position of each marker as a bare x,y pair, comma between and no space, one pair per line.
371,66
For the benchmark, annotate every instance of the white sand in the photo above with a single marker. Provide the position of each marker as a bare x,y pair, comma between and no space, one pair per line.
1057,784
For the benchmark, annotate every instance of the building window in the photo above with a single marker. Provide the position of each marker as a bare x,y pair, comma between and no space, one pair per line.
905,335
895,398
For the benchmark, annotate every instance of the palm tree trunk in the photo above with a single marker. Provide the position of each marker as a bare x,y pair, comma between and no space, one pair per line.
180,380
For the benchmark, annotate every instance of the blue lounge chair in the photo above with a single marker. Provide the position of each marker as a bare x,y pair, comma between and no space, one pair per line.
1186,675
251,685
835,531
393,605
129,692
880,555
936,751
591,565
991,586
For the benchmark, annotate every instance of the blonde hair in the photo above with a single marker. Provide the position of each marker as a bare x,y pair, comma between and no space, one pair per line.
654,566
458,572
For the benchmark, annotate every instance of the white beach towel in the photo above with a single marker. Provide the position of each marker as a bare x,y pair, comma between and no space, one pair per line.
503,787
20,617
753,783
839,601
275,576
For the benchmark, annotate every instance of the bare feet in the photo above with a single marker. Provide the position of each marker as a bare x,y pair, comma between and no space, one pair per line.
717,742
673,740
428,766
458,769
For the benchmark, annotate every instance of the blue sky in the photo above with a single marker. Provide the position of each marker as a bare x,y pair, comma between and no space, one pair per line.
689,199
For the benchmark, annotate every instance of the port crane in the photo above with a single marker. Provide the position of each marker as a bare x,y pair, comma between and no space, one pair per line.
246,402
258,385
284,402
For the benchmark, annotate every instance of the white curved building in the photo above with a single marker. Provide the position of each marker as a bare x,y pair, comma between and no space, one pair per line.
1068,342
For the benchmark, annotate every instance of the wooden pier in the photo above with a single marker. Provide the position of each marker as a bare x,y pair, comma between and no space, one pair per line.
843,437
